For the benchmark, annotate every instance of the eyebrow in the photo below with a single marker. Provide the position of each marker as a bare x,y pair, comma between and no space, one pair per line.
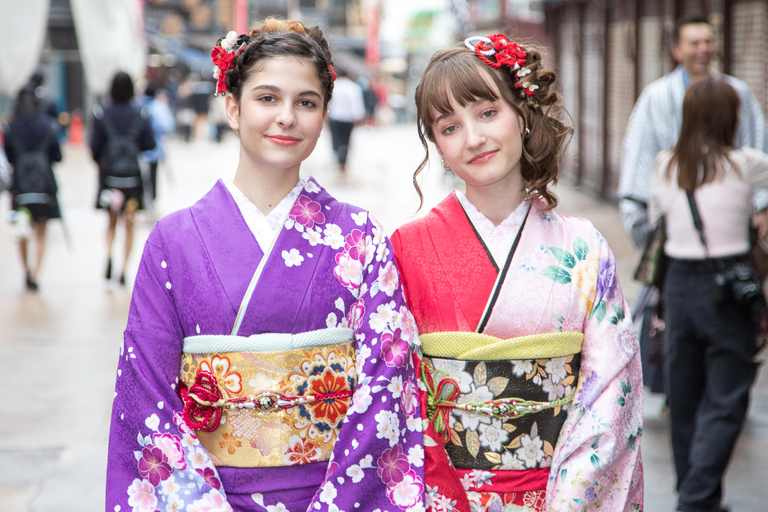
276,89
448,114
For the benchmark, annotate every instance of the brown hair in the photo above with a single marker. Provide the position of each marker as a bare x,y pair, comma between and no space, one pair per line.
282,38
458,73
710,115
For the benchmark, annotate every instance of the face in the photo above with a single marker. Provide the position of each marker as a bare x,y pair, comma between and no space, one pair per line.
481,142
280,114
695,48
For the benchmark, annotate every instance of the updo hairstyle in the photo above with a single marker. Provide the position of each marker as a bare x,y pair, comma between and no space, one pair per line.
282,38
459,73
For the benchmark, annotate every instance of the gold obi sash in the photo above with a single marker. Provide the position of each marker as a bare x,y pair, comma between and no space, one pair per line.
265,409
500,404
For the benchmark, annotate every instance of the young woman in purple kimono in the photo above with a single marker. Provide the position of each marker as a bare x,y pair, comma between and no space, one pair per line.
266,365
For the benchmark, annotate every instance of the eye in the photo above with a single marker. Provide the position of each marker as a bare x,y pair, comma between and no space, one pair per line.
267,98
487,114
449,129
307,104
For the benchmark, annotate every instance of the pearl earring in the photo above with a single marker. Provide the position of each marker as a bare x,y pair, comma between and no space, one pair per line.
445,165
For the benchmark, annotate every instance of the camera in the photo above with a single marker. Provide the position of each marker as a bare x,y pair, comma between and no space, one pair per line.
740,285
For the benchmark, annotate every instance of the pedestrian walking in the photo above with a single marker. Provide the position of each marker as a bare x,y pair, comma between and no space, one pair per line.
163,123
31,144
703,188
347,110
654,126
531,372
267,357
121,131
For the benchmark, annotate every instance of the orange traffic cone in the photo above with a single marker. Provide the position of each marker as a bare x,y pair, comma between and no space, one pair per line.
76,129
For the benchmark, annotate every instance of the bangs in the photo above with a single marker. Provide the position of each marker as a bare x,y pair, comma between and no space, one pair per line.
461,77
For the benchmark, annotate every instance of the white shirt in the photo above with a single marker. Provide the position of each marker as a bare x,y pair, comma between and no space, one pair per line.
498,239
347,103
265,228
724,206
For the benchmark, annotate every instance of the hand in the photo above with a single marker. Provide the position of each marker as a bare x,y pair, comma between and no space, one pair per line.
761,222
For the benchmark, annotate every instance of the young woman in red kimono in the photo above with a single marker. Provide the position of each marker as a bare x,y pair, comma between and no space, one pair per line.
531,383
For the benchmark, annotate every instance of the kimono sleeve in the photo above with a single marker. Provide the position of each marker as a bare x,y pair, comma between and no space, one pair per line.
597,463
378,458
155,460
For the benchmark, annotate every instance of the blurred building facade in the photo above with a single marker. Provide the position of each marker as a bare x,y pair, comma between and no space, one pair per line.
608,51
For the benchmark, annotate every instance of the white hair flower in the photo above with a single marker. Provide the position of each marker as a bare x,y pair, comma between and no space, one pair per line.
229,42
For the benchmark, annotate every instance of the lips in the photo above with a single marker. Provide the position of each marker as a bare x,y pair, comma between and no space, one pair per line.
283,140
483,157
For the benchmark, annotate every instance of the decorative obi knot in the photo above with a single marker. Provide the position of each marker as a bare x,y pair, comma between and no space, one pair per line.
500,414
264,409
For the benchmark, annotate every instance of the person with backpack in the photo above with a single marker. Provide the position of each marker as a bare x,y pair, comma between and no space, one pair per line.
31,144
121,131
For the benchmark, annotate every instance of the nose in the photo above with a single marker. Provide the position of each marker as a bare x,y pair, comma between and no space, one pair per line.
286,118
475,137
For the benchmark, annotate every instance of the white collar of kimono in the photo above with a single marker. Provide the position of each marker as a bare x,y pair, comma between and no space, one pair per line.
265,227
498,239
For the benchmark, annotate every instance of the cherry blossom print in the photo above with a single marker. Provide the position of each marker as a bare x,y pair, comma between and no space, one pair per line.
392,465
174,503
171,447
209,475
311,187
333,237
408,326
141,496
213,501
300,451
395,386
406,493
170,486
382,252
307,212
178,419
356,473
328,493
230,382
409,399
153,465
313,237
292,258
360,218
394,349
361,400
416,456
388,426
354,245
384,318
198,457
349,271
530,452
493,435
388,279
356,315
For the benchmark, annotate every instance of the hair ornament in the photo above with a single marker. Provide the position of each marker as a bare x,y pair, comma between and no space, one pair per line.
506,53
333,73
225,51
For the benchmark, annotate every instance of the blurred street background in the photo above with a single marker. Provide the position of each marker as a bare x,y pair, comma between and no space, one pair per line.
59,346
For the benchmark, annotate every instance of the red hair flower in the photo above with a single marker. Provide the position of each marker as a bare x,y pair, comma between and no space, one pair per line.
506,52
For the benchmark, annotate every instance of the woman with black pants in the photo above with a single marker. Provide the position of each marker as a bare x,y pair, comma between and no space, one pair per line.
703,187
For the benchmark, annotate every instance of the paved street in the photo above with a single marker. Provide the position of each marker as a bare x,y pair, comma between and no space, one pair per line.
59,347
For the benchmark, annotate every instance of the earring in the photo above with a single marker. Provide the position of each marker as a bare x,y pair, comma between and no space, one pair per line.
527,131
445,165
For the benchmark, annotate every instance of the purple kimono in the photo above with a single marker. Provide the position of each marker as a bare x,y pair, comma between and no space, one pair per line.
331,269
